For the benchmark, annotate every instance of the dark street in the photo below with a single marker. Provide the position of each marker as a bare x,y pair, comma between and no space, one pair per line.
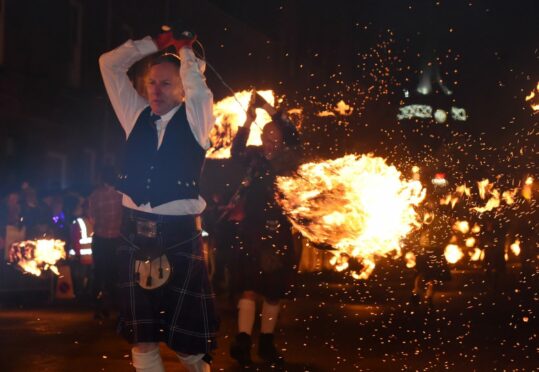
332,324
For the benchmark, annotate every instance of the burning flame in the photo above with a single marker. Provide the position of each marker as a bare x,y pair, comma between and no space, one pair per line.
340,262
463,190
493,202
35,256
486,190
416,176
230,115
325,113
533,99
470,242
366,271
484,187
509,196
462,226
527,189
357,204
453,198
453,253
477,255
342,109
410,260
515,247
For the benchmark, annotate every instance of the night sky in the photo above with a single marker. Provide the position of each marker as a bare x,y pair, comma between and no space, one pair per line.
487,51
313,53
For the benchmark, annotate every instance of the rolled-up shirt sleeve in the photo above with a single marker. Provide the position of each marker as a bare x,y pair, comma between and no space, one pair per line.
198,97
125,100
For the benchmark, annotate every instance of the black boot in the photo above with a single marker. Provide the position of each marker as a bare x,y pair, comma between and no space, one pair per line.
241,349
267,350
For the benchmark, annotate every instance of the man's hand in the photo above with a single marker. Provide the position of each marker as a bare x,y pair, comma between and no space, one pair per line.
260,102
166,39
251,110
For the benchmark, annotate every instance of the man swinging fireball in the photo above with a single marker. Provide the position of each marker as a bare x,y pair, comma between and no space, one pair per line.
164,287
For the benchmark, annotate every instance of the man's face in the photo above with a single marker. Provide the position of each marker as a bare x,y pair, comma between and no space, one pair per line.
164,88
272,140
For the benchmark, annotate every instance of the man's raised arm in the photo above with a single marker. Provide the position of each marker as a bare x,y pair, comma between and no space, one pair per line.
127,103
198,97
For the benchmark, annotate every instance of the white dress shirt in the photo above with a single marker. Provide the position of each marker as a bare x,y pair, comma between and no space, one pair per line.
128,105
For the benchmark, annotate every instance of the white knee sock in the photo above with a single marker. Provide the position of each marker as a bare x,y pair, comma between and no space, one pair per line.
147,362
246,315
194,363
269,317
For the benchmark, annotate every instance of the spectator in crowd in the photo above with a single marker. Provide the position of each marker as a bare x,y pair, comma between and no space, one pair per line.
105,212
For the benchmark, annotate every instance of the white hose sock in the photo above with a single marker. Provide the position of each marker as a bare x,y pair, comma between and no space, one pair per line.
147,362
269,317
194,363
246,315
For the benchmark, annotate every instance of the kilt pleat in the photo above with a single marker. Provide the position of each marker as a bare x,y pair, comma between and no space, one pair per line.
181,313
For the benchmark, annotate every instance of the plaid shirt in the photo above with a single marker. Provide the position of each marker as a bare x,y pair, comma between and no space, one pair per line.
106,212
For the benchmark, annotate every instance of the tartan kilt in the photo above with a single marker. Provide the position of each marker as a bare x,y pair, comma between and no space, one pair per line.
265,261
181,313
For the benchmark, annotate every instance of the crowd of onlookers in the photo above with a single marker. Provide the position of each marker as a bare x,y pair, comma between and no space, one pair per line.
39,215
27,213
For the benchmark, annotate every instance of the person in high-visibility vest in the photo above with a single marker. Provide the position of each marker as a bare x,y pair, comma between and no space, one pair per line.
80,252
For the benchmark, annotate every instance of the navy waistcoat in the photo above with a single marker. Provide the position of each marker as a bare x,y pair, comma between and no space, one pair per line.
169,173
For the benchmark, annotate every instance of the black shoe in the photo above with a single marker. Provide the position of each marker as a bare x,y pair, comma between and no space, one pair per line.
267,350
241,349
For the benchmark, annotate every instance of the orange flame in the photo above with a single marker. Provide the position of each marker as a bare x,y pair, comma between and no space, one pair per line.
453,253
453,198
526,191
462,226
533,99
410,260
509,196
470,242
342,109
515,247
35,256
325,113
229,116
463,190
477,255
493,202
484,187
357,204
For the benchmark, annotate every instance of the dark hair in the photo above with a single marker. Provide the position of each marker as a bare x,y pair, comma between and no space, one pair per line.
290,134
165,58
288,130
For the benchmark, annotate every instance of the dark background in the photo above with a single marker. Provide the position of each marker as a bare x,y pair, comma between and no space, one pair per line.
58,129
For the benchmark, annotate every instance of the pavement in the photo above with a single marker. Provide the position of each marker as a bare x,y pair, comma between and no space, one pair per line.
330,322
